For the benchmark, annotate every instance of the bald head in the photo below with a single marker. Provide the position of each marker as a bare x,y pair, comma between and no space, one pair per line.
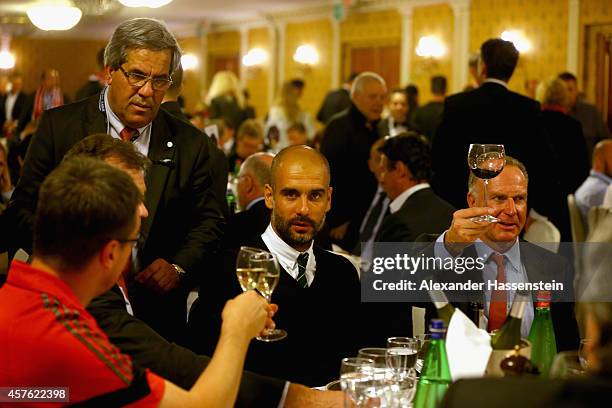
602,157
254,175
298,155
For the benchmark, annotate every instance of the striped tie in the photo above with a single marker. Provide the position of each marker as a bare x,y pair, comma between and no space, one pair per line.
302,260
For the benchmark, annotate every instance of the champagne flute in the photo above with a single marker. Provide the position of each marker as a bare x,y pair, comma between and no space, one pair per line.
266,283
258,270
486,161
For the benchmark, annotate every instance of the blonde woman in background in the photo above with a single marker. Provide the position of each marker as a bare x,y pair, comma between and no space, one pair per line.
285,112
226,100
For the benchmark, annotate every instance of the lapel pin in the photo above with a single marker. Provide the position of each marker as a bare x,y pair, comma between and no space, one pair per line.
169,144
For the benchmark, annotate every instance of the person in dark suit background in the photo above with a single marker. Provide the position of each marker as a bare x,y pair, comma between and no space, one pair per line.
249,140
96,82
565,138
427,117
185,222
346,145
170,102
489,114
12,104
505,259
414,209
313,282
397,121
254,216
336,101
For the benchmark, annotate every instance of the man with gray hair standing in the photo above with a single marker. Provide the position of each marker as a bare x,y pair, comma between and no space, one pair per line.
346,145
184,223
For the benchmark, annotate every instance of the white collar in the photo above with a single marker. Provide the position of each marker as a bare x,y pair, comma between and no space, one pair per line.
513,254
496,81
252,203
287,255
397,203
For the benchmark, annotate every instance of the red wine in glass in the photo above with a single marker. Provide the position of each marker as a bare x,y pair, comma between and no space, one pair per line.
486,161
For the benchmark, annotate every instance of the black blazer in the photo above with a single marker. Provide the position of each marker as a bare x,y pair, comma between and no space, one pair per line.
184,223
335,102
169,360
323,321
488,114
423,212
18,107
246,225
346,145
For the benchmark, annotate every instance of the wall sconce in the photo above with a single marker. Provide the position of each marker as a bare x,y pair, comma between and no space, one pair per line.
56,15
255,58
517,38
144,3
430,48
306,54
189,62
7,59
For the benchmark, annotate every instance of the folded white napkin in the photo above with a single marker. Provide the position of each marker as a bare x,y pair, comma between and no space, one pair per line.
468,348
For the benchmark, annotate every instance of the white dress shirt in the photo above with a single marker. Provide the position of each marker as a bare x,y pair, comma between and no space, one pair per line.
287,255
10,100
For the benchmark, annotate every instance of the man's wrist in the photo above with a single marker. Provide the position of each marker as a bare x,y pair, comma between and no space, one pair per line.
179,271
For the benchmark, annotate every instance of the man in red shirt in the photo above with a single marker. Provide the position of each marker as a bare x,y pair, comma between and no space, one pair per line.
87,222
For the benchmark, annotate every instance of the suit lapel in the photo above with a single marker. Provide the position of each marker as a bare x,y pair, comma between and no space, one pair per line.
162,146
96,119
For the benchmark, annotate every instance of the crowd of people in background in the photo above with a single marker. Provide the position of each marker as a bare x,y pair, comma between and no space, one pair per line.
379,166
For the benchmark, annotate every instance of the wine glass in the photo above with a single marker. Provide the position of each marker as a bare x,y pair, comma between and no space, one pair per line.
401,360
258,270
356,377
486,161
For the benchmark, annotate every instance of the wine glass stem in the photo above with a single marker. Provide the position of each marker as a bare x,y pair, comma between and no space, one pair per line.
485,198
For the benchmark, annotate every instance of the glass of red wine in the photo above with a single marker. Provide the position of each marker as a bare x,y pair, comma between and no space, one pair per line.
486,161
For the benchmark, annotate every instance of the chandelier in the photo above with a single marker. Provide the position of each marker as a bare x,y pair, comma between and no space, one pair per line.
54,15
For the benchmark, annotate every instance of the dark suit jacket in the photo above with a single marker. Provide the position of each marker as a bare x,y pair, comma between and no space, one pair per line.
246,225
427,118
488,114
174,108
540,265
169,360
184,223
25,116
423,212
335,102
528,392
384,130
320,320
18,107
346,145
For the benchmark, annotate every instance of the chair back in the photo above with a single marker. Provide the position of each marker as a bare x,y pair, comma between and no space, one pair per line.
579,230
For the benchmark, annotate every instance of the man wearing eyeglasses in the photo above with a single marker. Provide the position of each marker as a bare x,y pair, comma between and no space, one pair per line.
185,218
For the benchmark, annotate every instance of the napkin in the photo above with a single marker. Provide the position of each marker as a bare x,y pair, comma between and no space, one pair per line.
468,348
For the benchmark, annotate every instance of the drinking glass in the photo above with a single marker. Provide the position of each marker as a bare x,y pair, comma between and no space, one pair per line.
401,354
378,355
258,270
356,376
566,365
486,161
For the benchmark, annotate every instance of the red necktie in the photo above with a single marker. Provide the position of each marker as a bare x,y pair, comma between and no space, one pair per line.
129,134
497,307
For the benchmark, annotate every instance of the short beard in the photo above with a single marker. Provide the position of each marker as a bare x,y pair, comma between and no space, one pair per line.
283,228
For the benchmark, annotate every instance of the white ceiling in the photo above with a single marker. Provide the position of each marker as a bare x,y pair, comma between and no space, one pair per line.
182,16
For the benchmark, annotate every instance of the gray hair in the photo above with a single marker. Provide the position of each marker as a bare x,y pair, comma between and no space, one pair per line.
365,78
553,92
510,161
141,33
257,168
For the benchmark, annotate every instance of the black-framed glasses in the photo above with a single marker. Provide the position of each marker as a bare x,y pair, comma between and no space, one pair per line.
138,80
133,241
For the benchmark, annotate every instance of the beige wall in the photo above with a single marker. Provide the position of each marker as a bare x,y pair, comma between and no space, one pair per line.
257,78
74,59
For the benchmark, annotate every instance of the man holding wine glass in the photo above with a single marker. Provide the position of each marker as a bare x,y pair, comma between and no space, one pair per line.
505,259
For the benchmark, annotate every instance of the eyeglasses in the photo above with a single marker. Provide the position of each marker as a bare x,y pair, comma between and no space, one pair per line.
139,80
134,241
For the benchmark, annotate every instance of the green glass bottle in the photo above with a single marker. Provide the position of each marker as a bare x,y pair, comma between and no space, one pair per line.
542,334
445,310
436,377
510,333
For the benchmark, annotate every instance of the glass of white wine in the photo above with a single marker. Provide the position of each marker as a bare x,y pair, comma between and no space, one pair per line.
258,270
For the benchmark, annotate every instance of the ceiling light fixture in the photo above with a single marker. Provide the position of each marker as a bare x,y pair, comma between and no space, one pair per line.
144,3
189,62
430,46
255,57
517,38
54,15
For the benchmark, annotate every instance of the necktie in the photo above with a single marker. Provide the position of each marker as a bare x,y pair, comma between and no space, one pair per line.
373,216
129,134
497,308
302,260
